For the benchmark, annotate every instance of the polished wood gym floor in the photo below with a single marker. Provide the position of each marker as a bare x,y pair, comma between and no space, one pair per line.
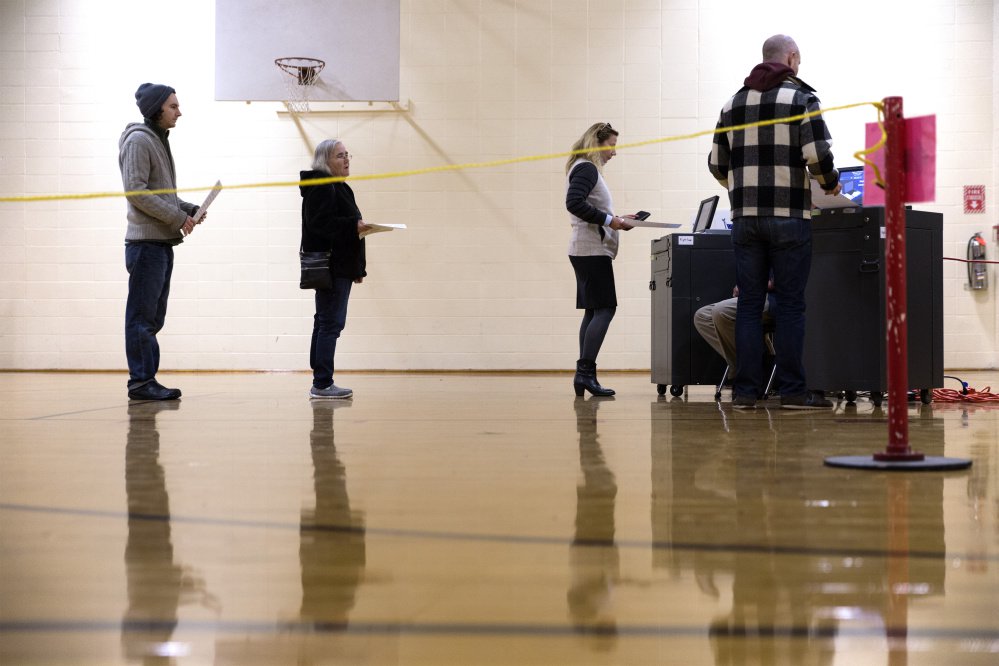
484,519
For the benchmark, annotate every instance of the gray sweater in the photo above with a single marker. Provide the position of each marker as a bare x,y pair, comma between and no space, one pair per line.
146,165
590,238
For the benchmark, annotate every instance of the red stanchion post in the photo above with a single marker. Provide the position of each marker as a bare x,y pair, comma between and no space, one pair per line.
898,455
897,351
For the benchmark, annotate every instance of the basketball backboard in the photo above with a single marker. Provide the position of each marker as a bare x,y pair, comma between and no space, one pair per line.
359,41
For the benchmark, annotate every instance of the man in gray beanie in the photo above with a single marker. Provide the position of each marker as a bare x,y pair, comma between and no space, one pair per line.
156,223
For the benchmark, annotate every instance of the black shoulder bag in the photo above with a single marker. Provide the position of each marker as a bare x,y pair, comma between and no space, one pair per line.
315,270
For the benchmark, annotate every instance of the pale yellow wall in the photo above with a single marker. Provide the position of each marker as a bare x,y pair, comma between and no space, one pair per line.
480,279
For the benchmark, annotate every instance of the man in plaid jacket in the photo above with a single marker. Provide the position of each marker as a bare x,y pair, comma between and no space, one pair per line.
765,170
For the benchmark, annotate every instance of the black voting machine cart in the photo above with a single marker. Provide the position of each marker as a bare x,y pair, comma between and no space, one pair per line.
845,304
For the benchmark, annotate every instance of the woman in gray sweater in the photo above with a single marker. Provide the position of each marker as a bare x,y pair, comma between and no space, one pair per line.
592,247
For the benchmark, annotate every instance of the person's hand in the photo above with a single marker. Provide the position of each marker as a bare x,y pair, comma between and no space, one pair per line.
358,280
620,224
361,226
836,190
188,226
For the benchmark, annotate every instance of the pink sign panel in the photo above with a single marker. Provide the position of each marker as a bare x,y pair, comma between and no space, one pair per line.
920,162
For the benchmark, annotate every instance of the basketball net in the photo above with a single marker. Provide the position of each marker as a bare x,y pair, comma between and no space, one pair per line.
300,76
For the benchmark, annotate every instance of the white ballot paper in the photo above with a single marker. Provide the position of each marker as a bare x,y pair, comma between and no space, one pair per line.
821,199
378,228
657,225
208,201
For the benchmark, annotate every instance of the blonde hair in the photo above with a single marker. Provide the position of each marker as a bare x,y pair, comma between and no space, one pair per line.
586,146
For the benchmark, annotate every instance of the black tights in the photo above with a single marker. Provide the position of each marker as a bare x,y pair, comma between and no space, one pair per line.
593,330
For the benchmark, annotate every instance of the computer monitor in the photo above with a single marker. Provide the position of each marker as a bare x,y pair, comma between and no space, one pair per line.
852,180
705,213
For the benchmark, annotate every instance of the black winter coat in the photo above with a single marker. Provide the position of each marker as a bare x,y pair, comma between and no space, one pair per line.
329,222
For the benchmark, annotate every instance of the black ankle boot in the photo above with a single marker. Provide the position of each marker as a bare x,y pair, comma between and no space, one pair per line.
586,379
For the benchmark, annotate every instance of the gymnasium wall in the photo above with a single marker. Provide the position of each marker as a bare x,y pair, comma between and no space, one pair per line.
480,279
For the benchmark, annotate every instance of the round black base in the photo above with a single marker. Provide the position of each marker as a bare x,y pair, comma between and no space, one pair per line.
927,464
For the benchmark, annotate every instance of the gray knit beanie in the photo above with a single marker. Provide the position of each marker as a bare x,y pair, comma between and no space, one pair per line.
150,98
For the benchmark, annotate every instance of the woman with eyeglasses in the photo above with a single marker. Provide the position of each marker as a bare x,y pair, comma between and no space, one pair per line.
592,247
331,221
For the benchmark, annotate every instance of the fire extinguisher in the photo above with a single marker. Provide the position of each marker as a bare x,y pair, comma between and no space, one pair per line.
978,276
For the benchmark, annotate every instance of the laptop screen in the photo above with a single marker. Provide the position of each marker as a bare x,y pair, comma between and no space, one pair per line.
852,179
705,213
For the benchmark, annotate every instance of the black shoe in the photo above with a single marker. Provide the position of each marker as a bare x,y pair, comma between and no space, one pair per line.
805,401
153,391
586,379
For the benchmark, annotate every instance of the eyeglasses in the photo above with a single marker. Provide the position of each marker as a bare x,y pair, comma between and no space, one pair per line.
342,156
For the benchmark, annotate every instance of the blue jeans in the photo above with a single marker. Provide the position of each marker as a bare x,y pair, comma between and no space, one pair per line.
782,245
149,266
331,317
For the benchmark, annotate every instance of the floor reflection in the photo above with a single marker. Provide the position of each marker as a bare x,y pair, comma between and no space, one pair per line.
450,519
332,558
156,584
811,554
332,549
593,558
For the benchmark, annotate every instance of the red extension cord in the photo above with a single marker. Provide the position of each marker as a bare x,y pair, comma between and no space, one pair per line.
967,395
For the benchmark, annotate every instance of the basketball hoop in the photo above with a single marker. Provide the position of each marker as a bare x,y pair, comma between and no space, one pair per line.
302,76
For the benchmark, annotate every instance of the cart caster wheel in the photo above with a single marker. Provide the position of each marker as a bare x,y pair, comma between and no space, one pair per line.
661,389
877,397
851,396
926,396
676,390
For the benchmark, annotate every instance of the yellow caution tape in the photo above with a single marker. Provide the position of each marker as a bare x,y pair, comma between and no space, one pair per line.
455,167
878,180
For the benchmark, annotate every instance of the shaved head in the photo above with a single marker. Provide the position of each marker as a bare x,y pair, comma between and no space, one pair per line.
778,47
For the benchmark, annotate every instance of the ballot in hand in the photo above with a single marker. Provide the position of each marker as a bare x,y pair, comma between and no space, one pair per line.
621,223
202,211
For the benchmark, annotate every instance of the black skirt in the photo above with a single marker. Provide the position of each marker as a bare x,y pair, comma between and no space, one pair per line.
594,282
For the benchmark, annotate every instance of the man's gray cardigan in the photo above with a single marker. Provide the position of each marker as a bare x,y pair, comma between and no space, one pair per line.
146,164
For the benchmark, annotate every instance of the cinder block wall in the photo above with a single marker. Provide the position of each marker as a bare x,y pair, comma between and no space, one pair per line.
480,279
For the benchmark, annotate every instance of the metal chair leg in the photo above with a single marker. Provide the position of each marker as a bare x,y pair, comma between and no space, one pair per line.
770,382
721,384
768,340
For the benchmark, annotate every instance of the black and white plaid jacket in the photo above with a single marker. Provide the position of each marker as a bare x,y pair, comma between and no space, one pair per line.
764,168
